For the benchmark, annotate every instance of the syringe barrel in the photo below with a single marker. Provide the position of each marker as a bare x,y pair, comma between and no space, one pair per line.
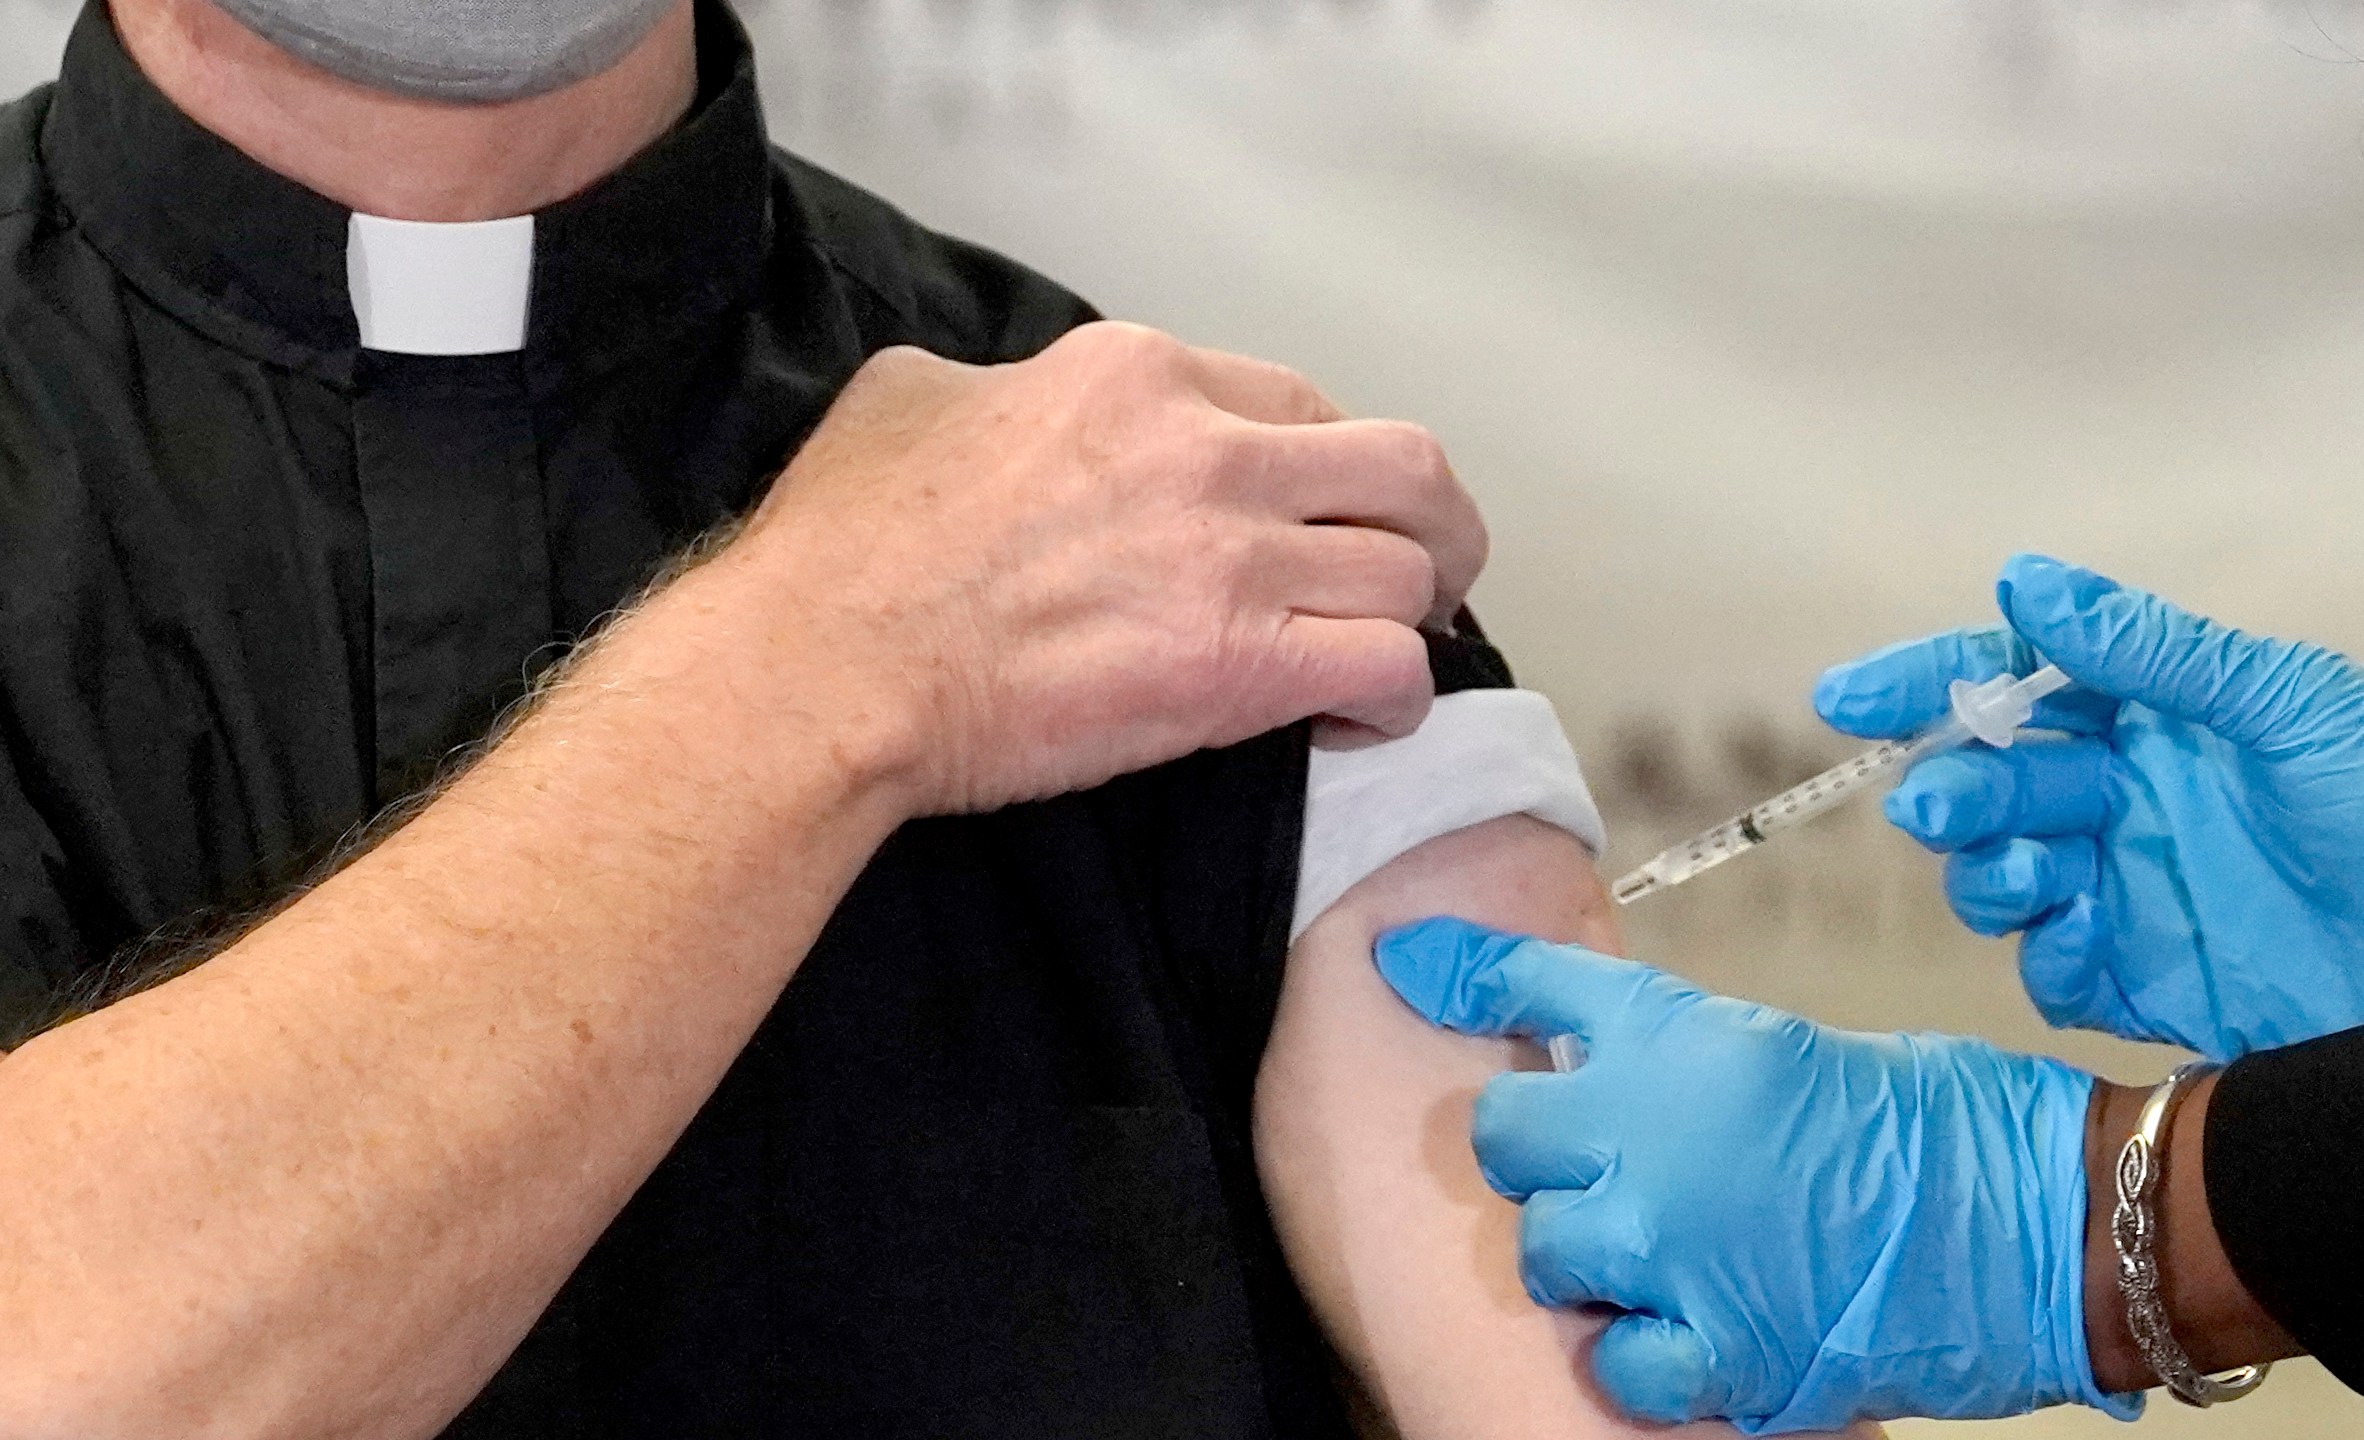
1831,788
1999,701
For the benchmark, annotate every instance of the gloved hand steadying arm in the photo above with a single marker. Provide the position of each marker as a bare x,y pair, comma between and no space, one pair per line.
1810,1226
2188,865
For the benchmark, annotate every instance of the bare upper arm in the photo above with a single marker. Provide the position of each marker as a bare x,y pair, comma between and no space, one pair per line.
1362,1138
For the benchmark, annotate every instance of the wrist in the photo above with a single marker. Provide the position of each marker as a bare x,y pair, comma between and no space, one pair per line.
2212,1314
2118,1366
738,696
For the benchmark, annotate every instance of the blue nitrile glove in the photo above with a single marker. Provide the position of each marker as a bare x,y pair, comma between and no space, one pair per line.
1809,1226
2188,862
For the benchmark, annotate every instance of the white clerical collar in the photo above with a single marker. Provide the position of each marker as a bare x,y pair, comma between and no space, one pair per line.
421,289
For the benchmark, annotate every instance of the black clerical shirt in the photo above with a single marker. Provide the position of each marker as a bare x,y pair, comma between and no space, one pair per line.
986,1170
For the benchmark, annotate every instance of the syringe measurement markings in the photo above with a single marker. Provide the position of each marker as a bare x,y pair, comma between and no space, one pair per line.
1990,713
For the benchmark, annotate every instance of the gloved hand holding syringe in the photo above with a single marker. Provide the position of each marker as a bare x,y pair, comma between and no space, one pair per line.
2183,852
1992,712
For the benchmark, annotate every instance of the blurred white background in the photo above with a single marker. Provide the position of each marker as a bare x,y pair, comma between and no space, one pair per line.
1766,329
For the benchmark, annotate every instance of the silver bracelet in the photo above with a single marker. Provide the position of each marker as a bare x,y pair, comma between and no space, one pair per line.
2135,1229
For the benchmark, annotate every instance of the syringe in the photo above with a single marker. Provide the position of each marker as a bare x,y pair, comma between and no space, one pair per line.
1991,712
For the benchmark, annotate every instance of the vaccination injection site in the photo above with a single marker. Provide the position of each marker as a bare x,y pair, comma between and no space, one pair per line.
1181,719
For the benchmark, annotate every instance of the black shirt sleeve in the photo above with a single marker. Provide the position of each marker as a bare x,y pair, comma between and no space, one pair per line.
40,947
1466,660
2284,1164
914,286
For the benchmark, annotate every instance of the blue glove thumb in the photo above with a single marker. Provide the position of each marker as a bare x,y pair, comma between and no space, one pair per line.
1658,1370
1474,980
2255,692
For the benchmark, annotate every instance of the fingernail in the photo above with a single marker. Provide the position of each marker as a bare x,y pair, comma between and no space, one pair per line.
1920,813
2019,872
2019,568
2072,928
2038,590
1831,691
1898,808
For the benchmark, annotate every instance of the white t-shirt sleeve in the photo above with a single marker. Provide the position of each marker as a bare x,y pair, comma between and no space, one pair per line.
1483,755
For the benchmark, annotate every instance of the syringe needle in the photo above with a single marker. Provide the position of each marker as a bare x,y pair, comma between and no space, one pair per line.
1991,713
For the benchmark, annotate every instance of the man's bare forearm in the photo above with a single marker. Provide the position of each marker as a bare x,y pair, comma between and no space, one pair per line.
324,1183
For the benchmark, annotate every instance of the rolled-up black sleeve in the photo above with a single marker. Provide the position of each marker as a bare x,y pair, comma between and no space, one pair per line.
2284,1167
1466,660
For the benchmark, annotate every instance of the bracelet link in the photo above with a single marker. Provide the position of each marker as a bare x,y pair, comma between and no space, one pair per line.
2134,1232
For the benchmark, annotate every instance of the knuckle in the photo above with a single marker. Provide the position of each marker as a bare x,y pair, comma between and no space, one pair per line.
1290,377
1126,344
1306,404
1228,453
1126,388
1088,338
898,361
1481,541
1412,451
1427,453
894,376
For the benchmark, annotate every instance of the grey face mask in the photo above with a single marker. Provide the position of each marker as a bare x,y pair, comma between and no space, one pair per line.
462,50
